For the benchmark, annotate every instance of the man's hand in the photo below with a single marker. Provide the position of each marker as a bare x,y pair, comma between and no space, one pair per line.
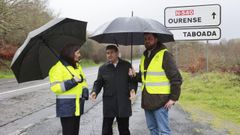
169,104
131,72
132,94
93,96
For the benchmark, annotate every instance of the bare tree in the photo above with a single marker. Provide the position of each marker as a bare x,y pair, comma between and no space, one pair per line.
18,17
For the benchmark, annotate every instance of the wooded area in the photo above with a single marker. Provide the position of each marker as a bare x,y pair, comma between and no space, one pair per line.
17,19
192,56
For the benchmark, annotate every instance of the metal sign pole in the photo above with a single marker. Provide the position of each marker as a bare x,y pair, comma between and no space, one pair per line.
176,55
207,56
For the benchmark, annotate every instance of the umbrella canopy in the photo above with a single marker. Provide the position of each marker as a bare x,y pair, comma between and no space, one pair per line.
130,30
40,50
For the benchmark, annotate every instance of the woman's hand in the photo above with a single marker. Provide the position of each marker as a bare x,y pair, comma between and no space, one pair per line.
78,80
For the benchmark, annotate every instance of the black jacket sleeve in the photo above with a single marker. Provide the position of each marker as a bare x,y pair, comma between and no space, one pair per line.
132,82
138,77
173,75
98,84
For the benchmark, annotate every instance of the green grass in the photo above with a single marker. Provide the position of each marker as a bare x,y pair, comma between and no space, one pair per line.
217,94
6,74
87,63
5,71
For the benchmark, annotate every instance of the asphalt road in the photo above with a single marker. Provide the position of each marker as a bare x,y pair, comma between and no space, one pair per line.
29,109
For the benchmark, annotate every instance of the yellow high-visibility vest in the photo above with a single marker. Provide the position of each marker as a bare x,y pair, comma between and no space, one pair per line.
58,74
156,81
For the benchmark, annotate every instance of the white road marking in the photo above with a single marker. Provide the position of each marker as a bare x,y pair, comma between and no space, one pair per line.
91,74
17,90
24,88
19,132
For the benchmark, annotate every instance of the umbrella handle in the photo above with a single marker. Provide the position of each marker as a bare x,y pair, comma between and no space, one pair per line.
81,79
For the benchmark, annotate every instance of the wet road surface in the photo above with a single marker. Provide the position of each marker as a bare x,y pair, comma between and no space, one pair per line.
29,109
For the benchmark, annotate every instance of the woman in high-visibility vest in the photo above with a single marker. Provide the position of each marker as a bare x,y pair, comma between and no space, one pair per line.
68,82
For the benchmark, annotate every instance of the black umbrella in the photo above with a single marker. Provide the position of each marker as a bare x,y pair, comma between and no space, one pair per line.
130,31
40,50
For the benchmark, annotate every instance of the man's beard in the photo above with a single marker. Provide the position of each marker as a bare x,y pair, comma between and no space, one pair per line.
150,47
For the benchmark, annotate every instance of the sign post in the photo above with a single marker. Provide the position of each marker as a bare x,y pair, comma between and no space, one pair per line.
192,16
196,34
197,22
207,56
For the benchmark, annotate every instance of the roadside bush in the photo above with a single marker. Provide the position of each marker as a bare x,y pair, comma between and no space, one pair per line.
191,56
7,52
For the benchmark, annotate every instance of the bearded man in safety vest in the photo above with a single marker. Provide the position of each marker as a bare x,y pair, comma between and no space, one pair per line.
161,84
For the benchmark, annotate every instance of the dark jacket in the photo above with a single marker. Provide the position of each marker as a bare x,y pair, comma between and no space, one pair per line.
116,85
155,101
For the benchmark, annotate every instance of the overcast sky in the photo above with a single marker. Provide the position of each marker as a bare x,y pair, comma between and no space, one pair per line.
97,12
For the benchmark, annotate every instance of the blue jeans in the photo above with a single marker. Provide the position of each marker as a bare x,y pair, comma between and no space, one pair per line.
157,121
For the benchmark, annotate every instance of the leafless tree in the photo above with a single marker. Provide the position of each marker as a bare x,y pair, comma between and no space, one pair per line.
18,17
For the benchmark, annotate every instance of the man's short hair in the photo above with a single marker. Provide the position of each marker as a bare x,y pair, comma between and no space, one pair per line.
154,34
112,47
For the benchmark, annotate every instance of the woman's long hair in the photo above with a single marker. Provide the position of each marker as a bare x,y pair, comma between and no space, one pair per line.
67,54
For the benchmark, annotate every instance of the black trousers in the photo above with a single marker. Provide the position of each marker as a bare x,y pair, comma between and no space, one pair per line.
70,125
123,126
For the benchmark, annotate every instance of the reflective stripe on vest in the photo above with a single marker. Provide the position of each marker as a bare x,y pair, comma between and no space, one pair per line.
156,73
156,81
65,96
58,84
157,84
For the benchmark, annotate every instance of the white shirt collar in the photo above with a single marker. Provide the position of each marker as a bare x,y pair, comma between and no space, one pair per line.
115,64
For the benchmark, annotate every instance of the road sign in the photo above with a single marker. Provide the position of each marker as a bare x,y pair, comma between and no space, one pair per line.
192,16
197,34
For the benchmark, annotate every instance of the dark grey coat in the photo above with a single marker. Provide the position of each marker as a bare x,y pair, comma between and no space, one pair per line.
116,85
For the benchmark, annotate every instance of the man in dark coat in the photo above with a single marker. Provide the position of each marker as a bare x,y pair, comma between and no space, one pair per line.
118,90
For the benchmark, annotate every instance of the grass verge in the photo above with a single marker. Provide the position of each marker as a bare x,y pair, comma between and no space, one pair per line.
5,71
87,63
6,74
213,98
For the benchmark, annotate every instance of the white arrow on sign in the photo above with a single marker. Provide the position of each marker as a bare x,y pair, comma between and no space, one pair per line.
191,16
197,34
